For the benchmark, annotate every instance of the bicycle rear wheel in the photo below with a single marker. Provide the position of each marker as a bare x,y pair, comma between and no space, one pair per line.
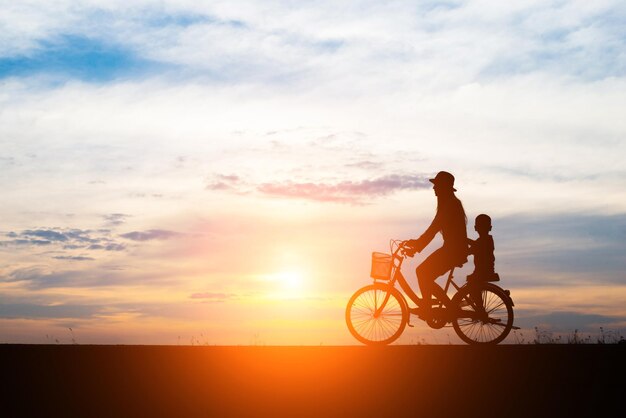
376,314
486,314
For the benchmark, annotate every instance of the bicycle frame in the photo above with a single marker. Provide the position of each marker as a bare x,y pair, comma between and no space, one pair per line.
475,311
398,277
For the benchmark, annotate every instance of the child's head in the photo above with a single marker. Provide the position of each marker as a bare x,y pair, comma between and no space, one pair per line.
482,225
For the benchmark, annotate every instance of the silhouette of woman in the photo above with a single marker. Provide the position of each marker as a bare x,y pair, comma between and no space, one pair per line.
451,222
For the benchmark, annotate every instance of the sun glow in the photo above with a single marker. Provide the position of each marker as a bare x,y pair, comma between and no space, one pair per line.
288,283
292,280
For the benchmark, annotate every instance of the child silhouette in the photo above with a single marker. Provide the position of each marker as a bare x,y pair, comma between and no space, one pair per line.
482,248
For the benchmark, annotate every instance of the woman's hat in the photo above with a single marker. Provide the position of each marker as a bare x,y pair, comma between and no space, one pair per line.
444,179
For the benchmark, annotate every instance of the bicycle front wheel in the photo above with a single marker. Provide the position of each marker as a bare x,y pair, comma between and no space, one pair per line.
377,314
485,314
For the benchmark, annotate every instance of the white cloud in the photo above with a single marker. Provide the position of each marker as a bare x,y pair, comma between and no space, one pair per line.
387,44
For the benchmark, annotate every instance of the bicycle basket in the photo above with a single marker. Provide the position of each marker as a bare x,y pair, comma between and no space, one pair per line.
381,266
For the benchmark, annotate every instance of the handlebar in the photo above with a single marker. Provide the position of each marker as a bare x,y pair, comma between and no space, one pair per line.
403,249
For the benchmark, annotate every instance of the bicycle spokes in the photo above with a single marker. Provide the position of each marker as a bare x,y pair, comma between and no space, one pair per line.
375,314
486,315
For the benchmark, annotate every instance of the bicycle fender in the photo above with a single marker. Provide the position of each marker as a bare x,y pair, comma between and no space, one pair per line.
505,292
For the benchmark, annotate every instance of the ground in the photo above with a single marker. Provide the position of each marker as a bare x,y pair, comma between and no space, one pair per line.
352,381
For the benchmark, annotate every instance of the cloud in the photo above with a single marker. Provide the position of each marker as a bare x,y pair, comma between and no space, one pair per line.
276,43
47,234
85,236
224,182
73,258
38,278
31,310
366,165
24,242
346,191
107,247
23,274
41,277
68,238
566,320
63,235
564,249
212,296
152,234
115,219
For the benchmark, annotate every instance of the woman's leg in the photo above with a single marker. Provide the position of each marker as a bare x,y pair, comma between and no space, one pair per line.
427,272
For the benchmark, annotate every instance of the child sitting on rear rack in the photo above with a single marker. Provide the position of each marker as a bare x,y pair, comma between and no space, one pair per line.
482,248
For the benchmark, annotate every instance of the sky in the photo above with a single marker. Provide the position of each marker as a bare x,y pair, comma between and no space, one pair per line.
219,172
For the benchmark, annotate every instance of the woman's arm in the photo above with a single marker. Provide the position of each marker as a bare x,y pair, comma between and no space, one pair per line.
428,235
472,246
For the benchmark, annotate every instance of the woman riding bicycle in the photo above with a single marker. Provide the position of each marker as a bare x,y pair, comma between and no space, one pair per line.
451,221
480,313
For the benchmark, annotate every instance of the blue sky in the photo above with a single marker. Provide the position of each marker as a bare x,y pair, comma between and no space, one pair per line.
77,57
152,152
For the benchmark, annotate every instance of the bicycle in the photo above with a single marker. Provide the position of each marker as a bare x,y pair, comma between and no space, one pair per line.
377,314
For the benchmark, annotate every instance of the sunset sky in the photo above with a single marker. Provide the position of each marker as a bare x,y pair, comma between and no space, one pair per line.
219,172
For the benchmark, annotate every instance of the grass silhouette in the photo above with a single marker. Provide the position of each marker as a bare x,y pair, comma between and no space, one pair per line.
543,336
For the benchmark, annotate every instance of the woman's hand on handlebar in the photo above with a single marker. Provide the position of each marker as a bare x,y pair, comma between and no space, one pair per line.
408,248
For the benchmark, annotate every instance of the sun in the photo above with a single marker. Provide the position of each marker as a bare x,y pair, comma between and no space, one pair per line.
287,283
291,280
